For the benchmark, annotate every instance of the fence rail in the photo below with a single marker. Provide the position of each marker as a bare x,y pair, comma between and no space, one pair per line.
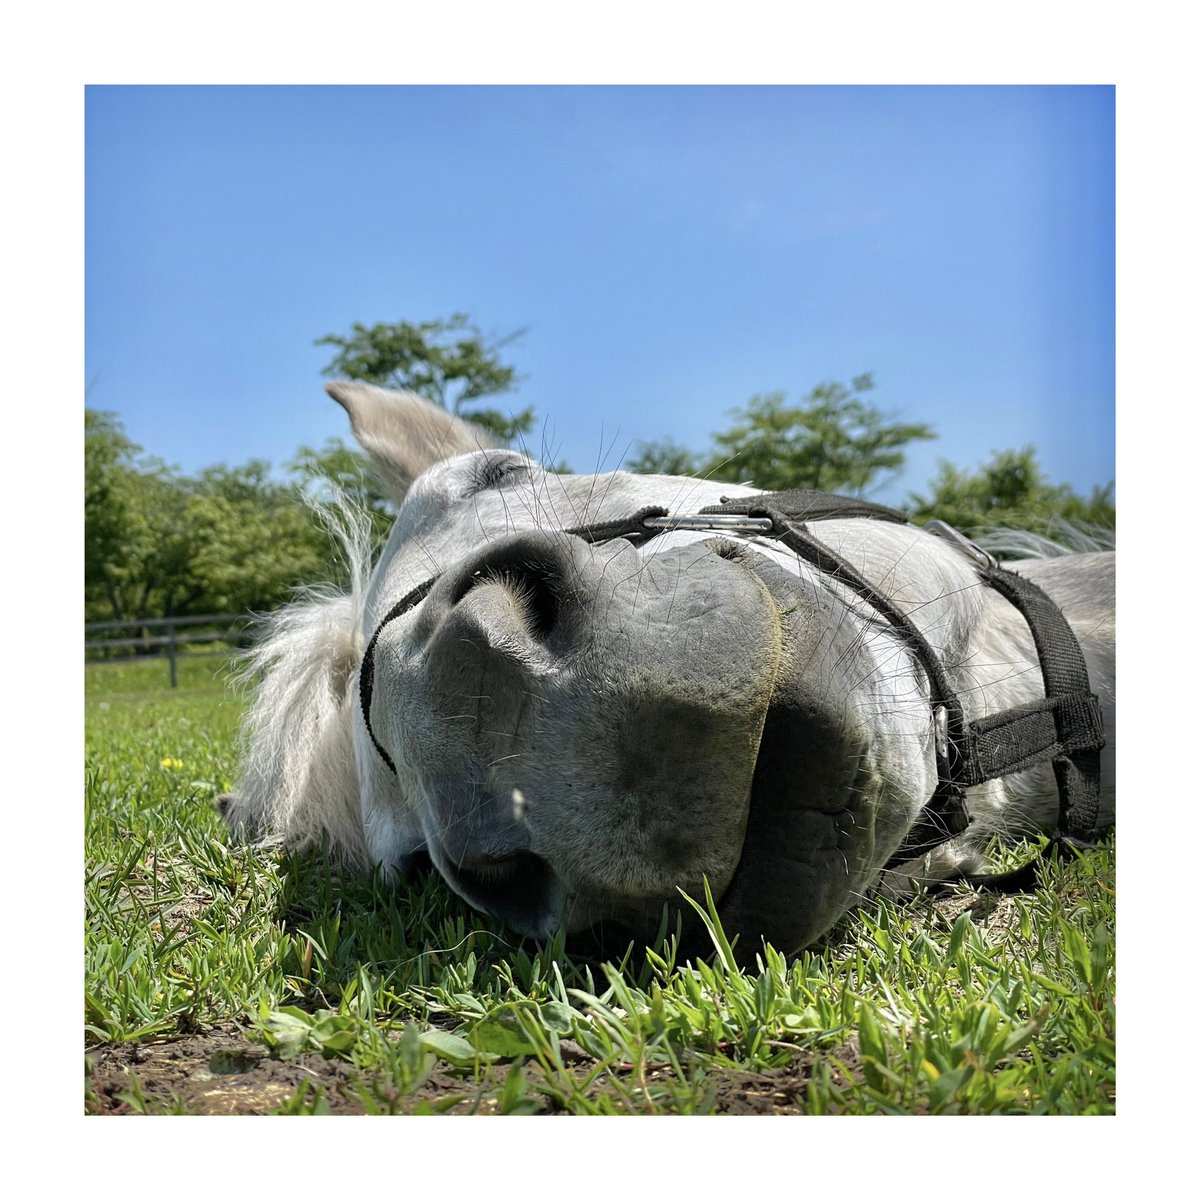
178,632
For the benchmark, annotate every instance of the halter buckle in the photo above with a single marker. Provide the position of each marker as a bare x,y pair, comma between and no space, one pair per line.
715,521
941,732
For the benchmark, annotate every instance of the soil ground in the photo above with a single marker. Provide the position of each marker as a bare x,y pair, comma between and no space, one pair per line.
222,1072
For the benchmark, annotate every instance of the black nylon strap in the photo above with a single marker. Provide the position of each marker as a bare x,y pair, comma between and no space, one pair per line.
1007,742
626,527
804,504
1019,737
366,673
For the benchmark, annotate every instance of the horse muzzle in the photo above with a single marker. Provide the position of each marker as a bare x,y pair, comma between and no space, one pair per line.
581,727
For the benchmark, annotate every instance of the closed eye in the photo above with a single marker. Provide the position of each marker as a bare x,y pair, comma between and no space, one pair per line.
492,469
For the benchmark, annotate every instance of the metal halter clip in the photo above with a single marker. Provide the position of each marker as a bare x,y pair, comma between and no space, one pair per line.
711,521
941,732
980,557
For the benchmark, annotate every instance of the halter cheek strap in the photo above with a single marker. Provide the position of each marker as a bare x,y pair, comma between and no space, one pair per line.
366,673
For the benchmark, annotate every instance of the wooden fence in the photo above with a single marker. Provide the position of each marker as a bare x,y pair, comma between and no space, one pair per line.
163,637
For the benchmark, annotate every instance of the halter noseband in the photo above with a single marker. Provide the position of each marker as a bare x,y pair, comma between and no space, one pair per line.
1065,727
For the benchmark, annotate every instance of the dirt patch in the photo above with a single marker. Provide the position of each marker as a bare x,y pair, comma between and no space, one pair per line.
777,1091
993,909
220,1072
223,1073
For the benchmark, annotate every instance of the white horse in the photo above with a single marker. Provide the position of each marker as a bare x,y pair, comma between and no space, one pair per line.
575,726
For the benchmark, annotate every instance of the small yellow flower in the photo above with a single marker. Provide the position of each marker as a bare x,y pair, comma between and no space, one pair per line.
171,764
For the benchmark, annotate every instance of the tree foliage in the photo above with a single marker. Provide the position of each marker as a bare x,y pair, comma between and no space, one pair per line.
1010,491
132,518
107,458
251,540
447,362
834,440
664,457
160,544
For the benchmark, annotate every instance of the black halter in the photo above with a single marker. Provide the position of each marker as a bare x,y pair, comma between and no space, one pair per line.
1065,727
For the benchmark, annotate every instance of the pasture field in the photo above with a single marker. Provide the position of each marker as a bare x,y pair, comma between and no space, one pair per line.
220,979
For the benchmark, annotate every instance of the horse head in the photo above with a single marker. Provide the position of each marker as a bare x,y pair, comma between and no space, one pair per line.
576,723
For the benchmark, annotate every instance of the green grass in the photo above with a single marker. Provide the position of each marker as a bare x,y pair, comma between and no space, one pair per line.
967,1004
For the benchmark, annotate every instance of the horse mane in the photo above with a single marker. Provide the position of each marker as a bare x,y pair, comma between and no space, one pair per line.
1060,538
299,781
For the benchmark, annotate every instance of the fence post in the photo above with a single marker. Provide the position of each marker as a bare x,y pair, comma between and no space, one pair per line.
171,655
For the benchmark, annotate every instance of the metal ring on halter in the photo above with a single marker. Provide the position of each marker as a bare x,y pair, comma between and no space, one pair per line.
713,521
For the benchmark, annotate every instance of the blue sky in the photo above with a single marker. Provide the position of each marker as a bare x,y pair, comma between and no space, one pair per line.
671,251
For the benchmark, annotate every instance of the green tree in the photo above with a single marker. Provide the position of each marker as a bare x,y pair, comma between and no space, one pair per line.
159,544
107,457
133,536
447,362
250,542
1010,491
834,440
663,457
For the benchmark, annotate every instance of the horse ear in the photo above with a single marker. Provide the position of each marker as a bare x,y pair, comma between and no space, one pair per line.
404,434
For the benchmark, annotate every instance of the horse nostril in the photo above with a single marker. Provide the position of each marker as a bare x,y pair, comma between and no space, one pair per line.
533,578
540,600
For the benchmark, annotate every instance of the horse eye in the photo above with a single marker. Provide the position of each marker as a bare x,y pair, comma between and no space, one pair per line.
490,472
